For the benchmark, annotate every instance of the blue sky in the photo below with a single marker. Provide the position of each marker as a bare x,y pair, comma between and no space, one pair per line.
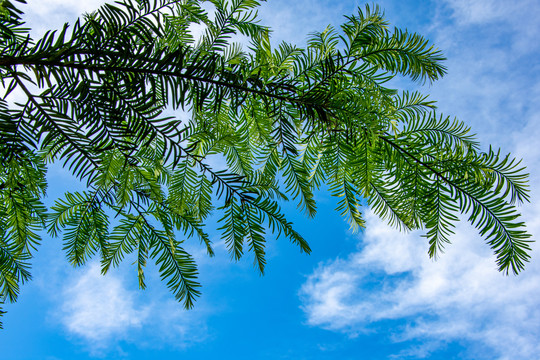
374,295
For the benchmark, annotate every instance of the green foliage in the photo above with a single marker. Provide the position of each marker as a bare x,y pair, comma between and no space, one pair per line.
265,125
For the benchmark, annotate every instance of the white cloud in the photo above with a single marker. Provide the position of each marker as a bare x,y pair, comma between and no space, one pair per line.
491,81
479,11
98,308
483,11
104,311
459,297
293,21
491,18
43,15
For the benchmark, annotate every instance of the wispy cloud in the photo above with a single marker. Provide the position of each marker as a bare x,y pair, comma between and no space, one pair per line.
52,14
488,11
292,21
459,297
102,311
98,308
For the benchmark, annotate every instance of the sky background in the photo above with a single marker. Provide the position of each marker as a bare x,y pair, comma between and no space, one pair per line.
373,295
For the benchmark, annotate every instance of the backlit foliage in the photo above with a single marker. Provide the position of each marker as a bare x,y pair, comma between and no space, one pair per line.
266,125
